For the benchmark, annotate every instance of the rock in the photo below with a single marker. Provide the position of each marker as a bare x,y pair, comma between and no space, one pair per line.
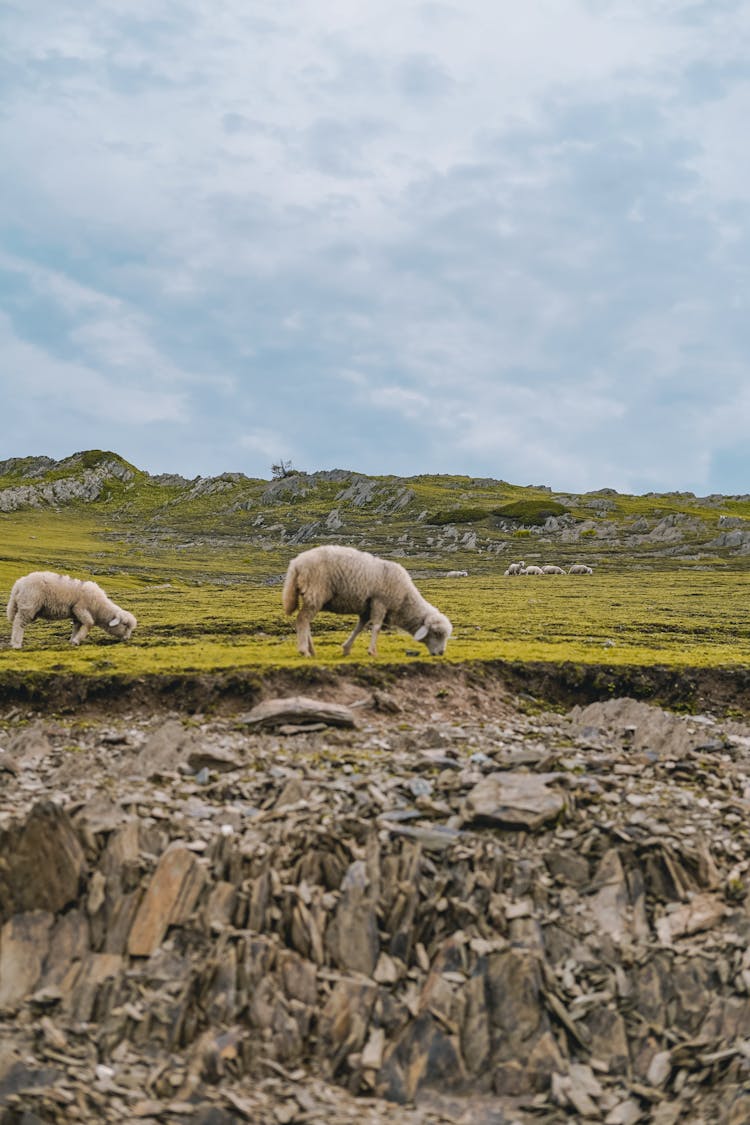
660,1068
646,727
344,1020
213,758
352,937
7,764
701,913
513,800
165,749
609,904
425,1054
298,709
30,747
169,900
41,863
627,1112
24,942
568,866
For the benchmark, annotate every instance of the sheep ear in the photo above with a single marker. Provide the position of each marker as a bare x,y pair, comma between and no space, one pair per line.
421,633
113,622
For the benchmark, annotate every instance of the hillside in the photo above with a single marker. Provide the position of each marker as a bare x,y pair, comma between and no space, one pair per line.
200,563
474,522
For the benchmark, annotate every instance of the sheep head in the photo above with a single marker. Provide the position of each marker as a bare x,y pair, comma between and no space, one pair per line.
434,632
121,625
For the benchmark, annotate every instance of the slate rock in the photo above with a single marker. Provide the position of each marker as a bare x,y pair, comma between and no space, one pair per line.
352,937
41,862
298,709
169,899
513,800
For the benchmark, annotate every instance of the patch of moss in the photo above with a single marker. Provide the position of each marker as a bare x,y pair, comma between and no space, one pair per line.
532,512
458,515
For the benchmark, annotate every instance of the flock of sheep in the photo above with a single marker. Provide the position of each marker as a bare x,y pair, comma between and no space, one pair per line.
521,568
336,579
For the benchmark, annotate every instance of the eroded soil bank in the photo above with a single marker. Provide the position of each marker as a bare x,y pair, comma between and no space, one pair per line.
463,907
721,690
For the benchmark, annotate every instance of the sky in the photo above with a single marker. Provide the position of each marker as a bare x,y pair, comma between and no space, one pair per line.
492,238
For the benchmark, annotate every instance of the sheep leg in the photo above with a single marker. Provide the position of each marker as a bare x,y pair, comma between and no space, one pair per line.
16,633
305,644
347,645
377,617
84,620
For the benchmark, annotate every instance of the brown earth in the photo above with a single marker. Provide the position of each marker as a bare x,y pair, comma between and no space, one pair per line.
490,896
723,690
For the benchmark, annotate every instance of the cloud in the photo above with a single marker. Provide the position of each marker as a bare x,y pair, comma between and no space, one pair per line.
270,444
64,390
516,237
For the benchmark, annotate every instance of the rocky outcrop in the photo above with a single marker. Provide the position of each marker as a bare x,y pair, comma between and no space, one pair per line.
88,485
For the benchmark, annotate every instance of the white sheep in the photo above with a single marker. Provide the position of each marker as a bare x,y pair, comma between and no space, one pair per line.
532,570
54,596
515,568
552,570
345,580
457,574
579,568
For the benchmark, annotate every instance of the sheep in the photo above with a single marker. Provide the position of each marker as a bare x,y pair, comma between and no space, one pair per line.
552,570
457,574
532,570
579,568
515,568
53,596
345,580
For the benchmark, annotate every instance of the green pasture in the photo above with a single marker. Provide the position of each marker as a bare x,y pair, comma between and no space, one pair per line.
213,606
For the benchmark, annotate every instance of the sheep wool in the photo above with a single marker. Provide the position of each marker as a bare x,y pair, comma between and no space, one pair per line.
380,592
54,596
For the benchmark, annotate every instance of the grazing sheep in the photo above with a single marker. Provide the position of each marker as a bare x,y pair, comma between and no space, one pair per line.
532,570
515,568
552,570
345,580
579,568
457,574
53,596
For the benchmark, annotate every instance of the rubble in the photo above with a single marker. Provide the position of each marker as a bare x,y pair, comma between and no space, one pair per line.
485,915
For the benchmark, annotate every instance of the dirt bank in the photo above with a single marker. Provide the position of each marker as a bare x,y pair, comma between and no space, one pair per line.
721,690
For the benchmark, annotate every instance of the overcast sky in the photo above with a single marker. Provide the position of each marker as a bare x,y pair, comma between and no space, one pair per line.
496,238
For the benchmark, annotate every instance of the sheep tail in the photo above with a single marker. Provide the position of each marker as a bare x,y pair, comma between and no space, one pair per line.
11,607
290,593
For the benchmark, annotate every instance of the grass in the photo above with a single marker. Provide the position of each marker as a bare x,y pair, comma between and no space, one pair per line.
200,563
205,607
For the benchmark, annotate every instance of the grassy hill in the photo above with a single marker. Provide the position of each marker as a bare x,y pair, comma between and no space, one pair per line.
200,563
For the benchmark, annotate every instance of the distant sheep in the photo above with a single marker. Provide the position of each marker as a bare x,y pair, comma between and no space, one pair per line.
515,568
457,574
532,570
579,568
552,570
54,596
345,580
